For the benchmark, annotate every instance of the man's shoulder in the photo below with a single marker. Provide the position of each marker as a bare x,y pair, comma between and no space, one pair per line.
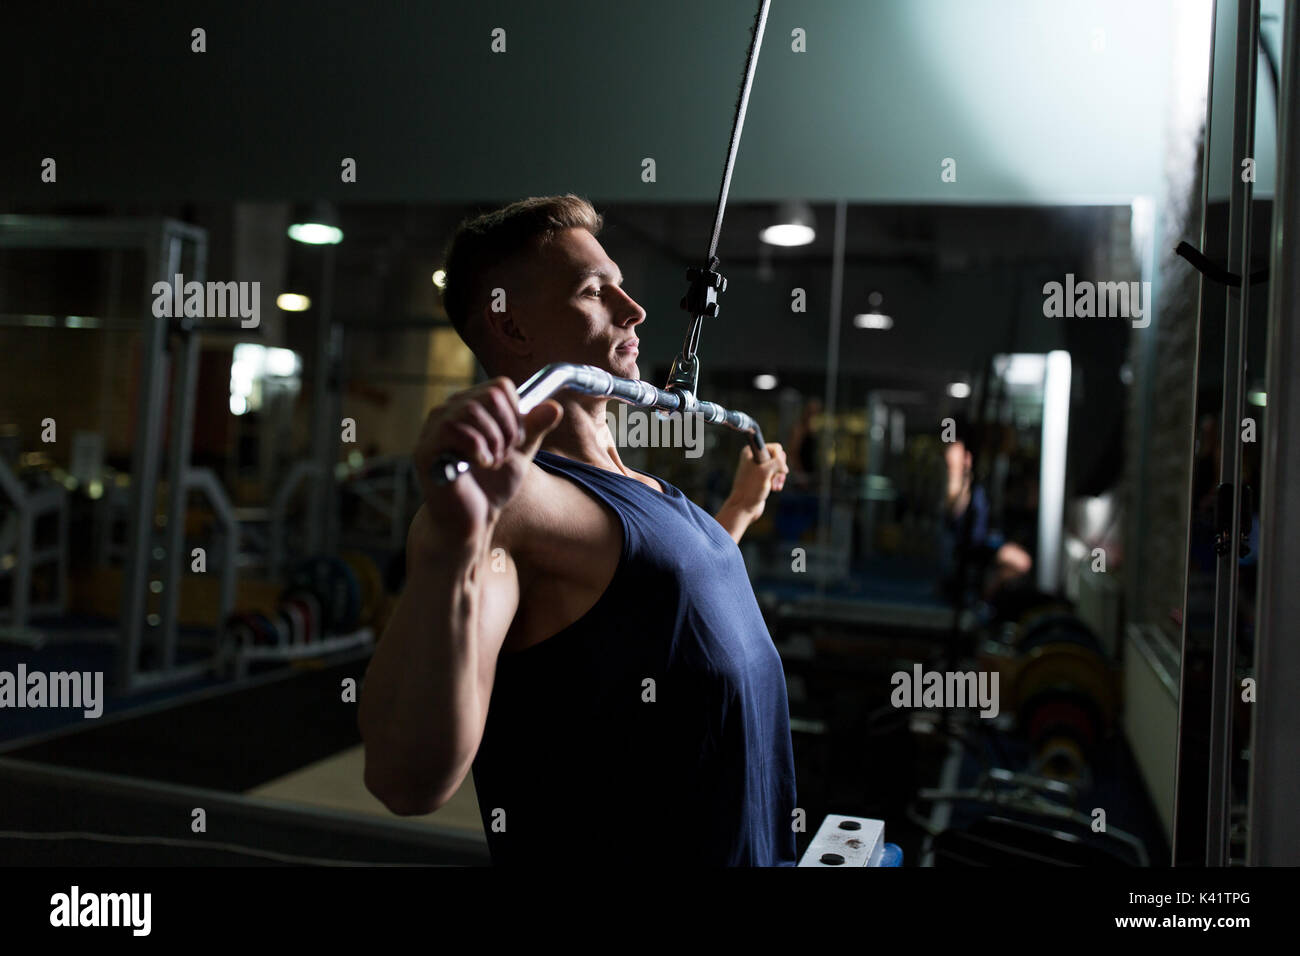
532,513
550,520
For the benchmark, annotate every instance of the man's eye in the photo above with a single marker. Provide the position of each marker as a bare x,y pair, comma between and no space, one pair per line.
593,292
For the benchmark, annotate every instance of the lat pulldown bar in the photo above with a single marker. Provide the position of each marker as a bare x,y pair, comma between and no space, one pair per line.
590,380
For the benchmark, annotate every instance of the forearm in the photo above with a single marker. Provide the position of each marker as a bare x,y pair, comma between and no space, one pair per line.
420,704
734,519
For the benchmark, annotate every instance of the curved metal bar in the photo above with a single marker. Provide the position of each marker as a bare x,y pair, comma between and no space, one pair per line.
590,380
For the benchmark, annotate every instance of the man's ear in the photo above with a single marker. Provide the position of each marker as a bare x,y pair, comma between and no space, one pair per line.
503,331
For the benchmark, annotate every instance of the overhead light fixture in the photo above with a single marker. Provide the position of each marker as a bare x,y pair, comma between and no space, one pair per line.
1257,398
873,318
440,278
316,225
316,233
794,226
959,390
293,302
765,383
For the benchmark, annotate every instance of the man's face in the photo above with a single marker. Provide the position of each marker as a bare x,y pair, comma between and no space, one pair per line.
574,309
957,457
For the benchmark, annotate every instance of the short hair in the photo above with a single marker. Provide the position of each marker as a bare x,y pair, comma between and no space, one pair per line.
487,242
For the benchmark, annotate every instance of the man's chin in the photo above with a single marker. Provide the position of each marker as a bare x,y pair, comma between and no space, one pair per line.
625,366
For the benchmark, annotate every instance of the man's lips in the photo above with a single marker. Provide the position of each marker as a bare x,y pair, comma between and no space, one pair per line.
630,346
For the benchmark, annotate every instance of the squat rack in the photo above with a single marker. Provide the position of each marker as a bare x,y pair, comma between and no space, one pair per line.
154,548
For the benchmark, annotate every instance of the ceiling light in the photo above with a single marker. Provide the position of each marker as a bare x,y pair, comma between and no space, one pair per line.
794,226
293,302
873,320
316,225
316,233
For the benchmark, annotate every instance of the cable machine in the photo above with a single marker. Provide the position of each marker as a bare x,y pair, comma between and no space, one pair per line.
701,300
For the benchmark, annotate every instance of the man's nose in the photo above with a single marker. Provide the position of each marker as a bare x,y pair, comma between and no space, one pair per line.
634,313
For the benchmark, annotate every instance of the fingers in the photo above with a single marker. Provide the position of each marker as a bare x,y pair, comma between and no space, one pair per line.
483,422
479,425
774,466
490,414
504,402
538,423
778,465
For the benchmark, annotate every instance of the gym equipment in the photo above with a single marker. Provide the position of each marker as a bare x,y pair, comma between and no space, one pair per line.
309,606
29,503
240,630
1057,628
283,628
298,628
589,380
1026,819
1002,841
846,841
701,299
335,587
293,613
169,348
370,581
266,631
1063,671
1060,684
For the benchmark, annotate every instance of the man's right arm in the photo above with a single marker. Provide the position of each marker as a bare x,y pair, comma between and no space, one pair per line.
424,705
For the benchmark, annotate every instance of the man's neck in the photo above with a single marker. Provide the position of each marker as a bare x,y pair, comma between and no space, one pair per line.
584,436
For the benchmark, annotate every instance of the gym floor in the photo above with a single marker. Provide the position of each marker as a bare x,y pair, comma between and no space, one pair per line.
214,737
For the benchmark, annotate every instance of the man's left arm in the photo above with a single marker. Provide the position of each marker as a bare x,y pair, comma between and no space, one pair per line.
734,519
754,482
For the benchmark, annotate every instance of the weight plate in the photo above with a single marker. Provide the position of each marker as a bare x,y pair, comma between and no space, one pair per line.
297,614
1057,629
311,610
267,635
336,589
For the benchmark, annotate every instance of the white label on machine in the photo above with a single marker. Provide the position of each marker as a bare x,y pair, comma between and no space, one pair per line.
846,841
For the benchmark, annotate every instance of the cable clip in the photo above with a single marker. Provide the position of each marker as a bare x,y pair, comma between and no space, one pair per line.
701,297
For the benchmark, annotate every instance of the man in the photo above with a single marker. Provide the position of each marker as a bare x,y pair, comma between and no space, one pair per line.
577,633
966,522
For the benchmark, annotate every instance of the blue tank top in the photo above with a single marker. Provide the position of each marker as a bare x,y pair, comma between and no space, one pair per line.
656,728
